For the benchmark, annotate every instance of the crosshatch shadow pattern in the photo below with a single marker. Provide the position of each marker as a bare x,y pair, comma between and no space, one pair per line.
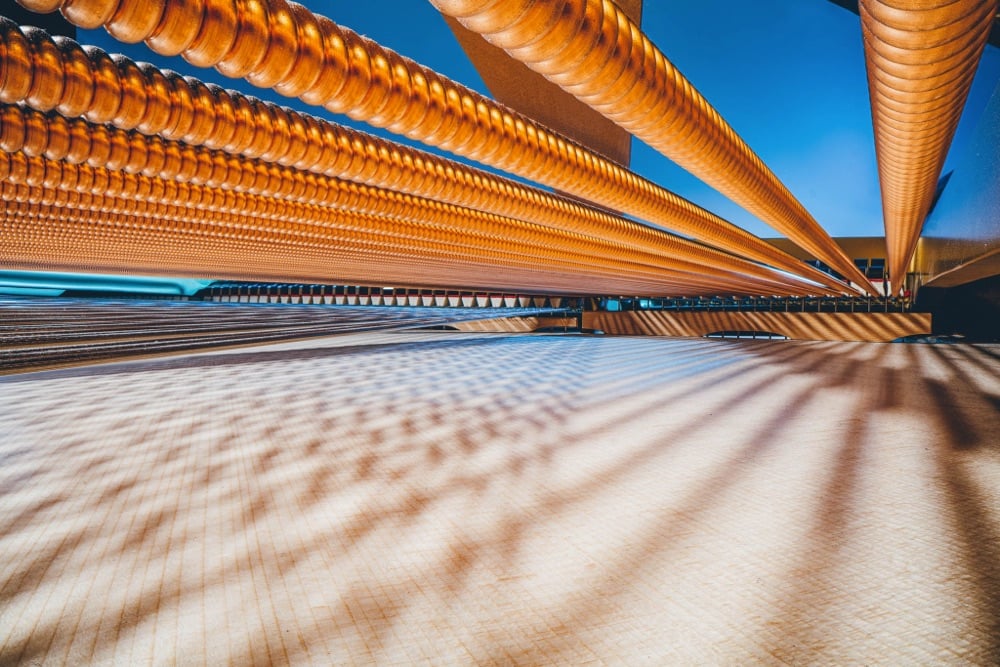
420,498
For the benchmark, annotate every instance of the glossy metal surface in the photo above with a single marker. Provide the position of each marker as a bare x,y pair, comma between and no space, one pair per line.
366,81
41,135
268,202
961,237
593,50
921,59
